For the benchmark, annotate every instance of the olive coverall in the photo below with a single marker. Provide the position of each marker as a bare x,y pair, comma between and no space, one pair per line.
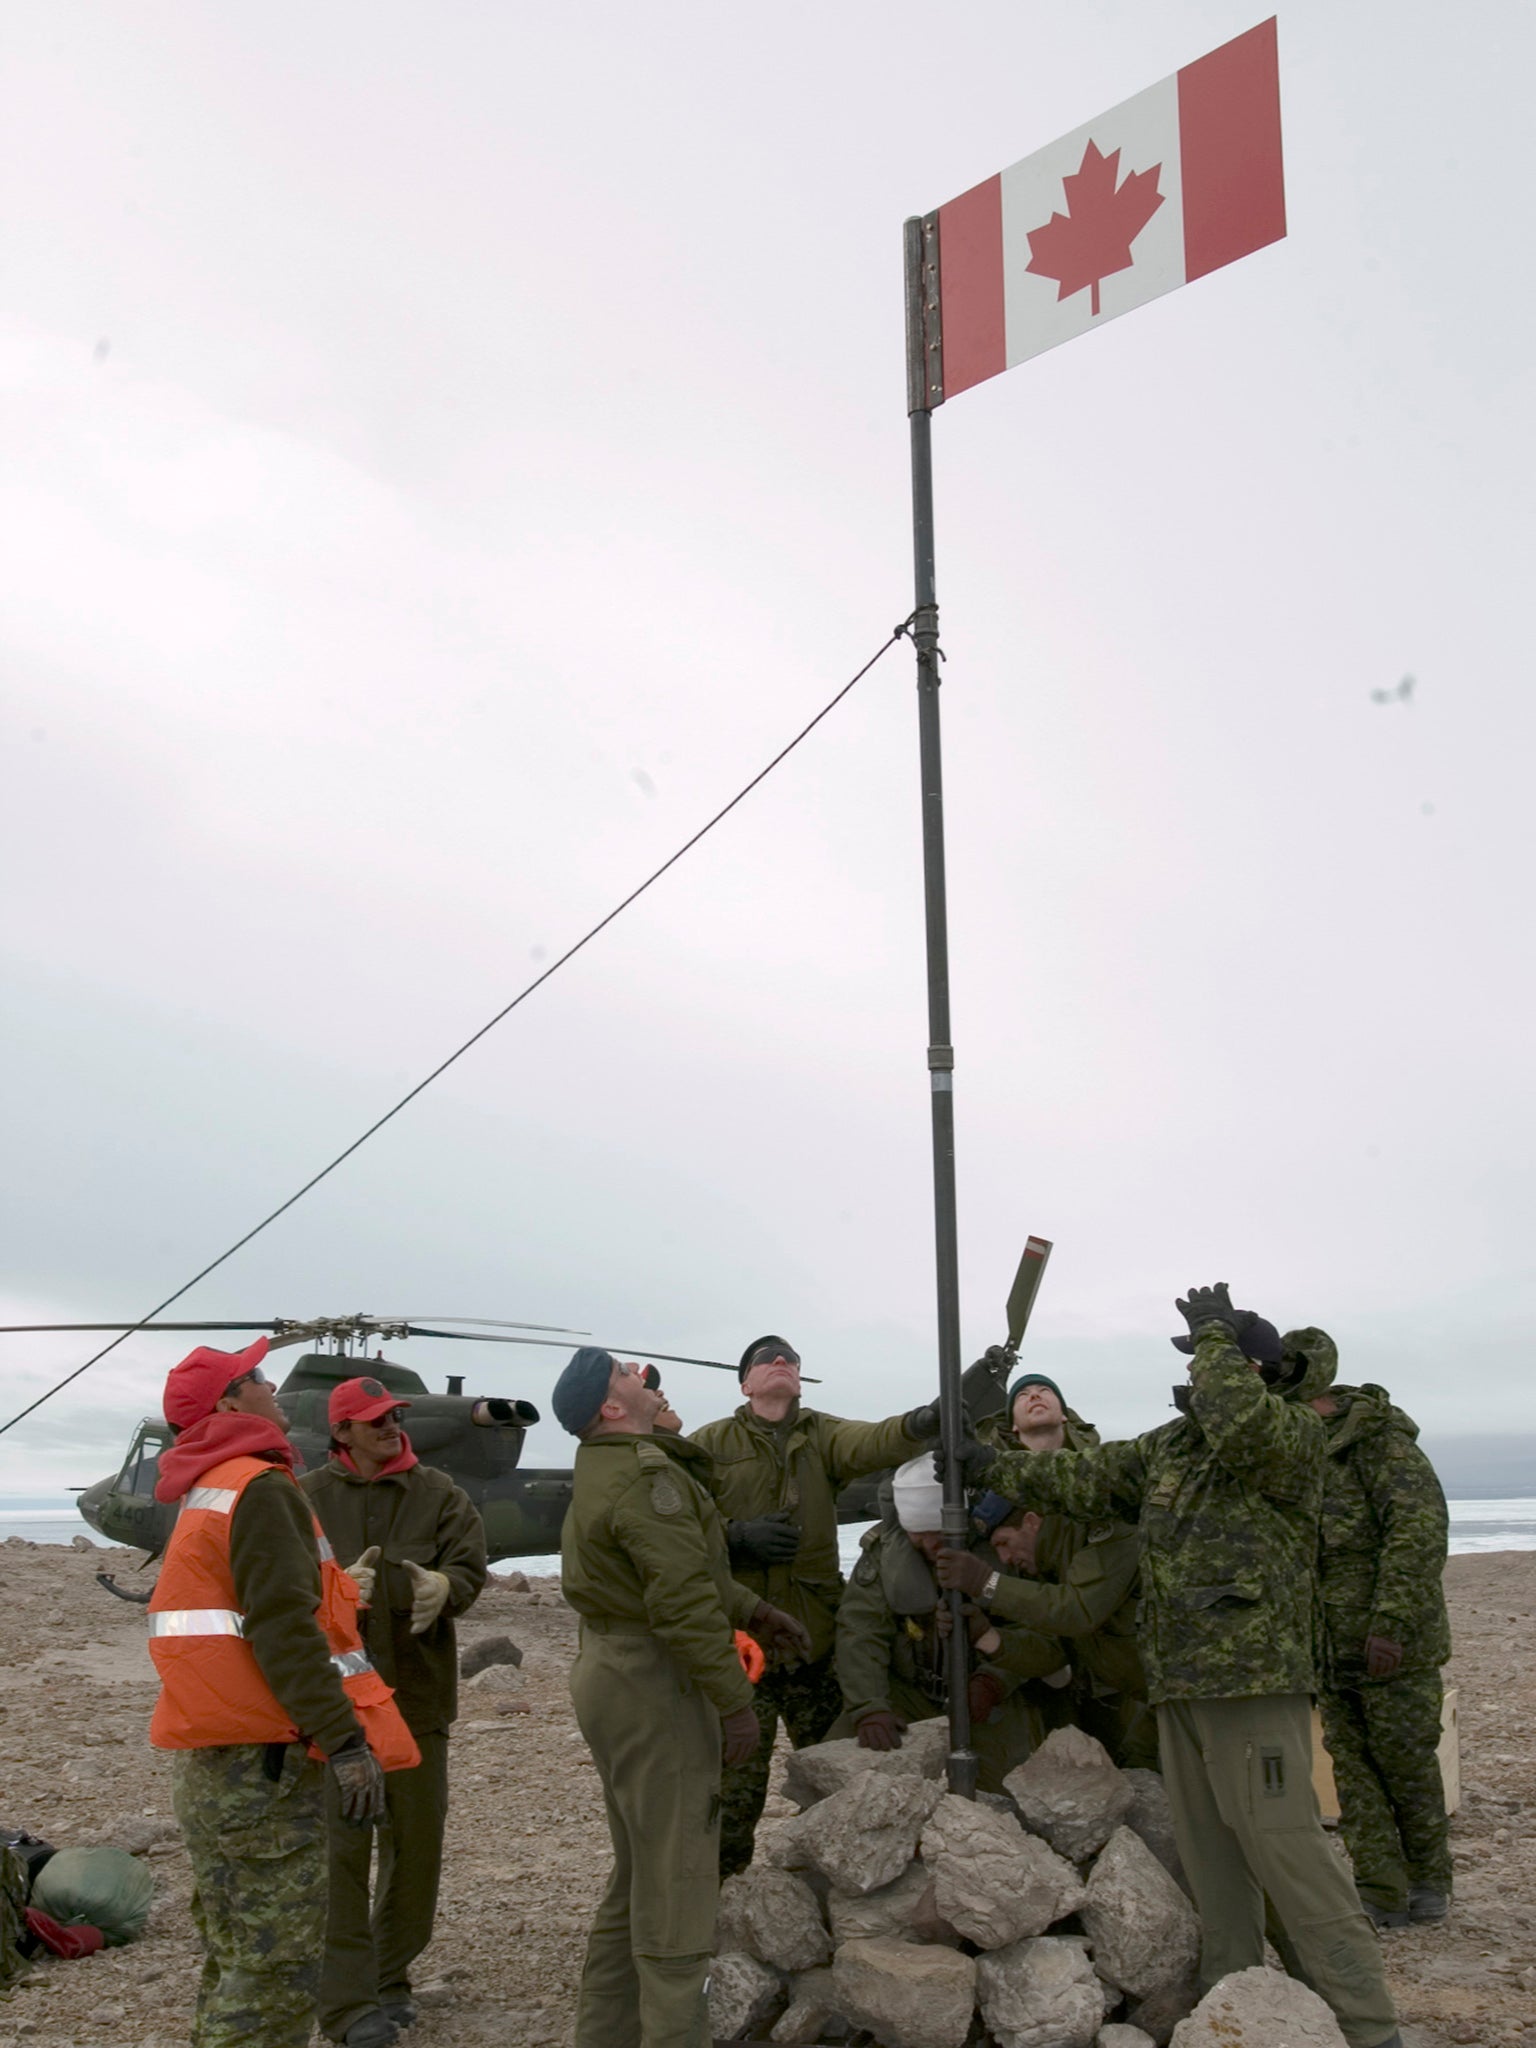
643,1562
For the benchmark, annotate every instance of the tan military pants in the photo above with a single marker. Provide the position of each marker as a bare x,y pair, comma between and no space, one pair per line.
1239,1778
656,1742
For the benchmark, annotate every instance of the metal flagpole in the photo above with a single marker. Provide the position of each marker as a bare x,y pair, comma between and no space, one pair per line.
925,389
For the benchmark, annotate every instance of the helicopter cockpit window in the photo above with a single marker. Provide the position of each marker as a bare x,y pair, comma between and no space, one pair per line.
141,1468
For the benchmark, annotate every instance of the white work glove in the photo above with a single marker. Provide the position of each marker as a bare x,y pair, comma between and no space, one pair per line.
364,1572
429,1596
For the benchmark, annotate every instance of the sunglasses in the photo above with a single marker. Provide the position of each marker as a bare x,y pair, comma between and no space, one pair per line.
772,1357
255,1375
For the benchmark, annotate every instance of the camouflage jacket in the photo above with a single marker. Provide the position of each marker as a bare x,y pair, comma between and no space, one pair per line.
802,1465
1227,1500
1384,1538
886,1635
643,1546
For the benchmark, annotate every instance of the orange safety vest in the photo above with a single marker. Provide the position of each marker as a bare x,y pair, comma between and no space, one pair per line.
212,1689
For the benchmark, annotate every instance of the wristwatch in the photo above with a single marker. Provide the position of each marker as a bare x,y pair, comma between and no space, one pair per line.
989,1587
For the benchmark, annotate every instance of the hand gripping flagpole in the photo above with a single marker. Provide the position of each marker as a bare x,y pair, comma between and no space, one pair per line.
925,389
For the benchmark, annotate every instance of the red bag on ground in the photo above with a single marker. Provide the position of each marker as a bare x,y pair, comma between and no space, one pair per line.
69,1942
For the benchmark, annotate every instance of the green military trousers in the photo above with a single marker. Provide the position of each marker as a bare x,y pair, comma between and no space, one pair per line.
369,1950
256,1842
656,1742
1384,1739
807,1699
1239,1778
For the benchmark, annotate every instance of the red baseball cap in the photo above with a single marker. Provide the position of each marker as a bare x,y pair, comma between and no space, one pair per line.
362,1400
195,1388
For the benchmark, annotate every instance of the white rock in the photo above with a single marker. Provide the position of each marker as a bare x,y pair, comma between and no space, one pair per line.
993,1883
773,1916
826,1767
1123,2037
903,1911
811,2005
907,1995
743,1995
1259,2009
1144,1931
1071,1792
864,1836
1151,1815
1040,1994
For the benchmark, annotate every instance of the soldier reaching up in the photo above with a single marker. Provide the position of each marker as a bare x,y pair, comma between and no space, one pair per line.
1228,1499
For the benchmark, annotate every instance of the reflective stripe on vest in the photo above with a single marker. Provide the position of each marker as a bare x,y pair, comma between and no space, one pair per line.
227,1621
215,1500
197,1621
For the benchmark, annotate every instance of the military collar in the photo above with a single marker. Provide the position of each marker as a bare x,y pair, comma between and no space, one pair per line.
682,1448
794,1420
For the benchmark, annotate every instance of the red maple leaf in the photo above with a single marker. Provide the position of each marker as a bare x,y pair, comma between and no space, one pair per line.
1092,239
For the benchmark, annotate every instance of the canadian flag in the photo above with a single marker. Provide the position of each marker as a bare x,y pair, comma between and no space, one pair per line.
1176,182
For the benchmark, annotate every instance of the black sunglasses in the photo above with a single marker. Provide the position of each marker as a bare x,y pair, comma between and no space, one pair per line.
255,1374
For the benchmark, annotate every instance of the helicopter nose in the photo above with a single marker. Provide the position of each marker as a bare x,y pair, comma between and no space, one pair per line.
90,1503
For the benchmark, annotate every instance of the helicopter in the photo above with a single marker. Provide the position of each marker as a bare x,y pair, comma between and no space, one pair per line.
476,1439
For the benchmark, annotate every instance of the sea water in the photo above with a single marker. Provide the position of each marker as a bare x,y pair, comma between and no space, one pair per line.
1475,1525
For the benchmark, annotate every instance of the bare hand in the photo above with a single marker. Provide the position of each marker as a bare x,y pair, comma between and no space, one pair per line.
740,1735
881,1730
1382,1657
957,1568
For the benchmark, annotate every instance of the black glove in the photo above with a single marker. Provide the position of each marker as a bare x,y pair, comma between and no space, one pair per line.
1208,1305
769,1540
360,1782
976,1461
922,1423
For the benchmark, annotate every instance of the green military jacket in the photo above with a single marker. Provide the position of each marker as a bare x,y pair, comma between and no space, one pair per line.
1085,1592
1384,1538
423,1517
643,1546
801,1464
1085,1587
1227,1501
887,1644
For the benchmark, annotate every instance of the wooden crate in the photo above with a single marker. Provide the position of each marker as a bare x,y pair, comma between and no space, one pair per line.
1450,1760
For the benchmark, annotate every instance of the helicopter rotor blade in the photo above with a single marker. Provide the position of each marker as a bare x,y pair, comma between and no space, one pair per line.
28,1329
489,1323
618,1350
1026,1285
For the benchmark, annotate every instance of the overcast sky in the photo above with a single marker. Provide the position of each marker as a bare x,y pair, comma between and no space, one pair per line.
446,450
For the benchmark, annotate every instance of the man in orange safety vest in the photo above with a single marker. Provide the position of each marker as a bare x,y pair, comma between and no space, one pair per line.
265,1685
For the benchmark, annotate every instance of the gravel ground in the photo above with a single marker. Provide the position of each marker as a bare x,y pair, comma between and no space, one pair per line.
527,1846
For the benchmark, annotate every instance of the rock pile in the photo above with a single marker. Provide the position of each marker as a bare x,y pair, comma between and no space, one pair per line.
888,1905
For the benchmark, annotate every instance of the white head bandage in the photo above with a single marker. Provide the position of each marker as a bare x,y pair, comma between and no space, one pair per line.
919,1496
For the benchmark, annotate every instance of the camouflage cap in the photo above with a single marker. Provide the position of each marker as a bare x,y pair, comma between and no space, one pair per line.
1309,1361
